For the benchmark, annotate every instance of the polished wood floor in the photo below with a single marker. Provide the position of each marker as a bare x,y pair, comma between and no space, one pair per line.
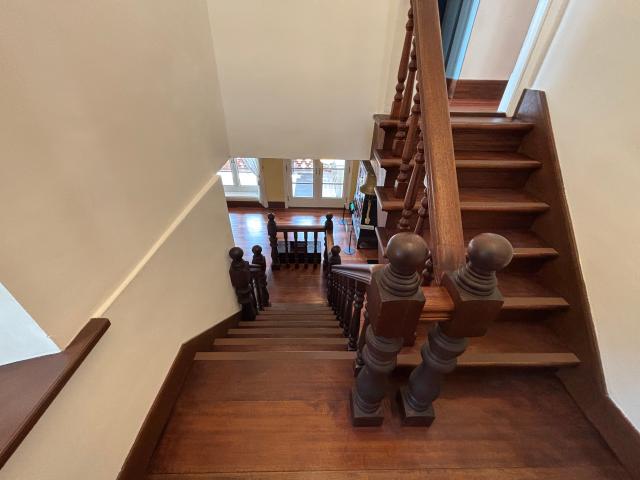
282,411
249,226
272,419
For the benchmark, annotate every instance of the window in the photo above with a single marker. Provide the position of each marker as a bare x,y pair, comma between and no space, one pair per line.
240,177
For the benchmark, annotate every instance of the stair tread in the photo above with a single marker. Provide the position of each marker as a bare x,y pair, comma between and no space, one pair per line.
295,316
289,323
471,160
467,359
287,331
473,199
281,341
459,122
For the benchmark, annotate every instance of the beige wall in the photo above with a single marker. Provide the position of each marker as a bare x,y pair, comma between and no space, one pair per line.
273,176
496,38
301,79
590,76
184,289
111,128
111,121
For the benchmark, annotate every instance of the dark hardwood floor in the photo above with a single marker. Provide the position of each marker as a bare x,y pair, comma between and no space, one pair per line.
290,419
278,408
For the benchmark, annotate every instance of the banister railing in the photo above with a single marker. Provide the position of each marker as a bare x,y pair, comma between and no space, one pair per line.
299,244
249,281
424,142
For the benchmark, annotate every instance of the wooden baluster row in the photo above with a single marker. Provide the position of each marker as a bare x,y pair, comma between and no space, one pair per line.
402,181
348,306
416,177
400,139
402,68
354,325
240,275
272,231
261,276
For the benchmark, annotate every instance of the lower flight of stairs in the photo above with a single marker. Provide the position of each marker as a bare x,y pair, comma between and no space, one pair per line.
310,331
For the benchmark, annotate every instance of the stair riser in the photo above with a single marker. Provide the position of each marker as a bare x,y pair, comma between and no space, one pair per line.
250,334
280,348
487,140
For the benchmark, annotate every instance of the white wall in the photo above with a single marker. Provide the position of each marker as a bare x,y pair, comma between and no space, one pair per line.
111,121
496,38
88,430
111,130
590,76
302,78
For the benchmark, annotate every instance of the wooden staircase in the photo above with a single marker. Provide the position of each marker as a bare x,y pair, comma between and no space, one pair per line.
494,179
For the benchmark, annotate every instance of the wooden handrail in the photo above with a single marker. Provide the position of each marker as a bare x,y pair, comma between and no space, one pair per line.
290,227
359,271
445,221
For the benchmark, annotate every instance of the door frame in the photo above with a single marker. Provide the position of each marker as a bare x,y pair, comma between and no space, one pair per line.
318,202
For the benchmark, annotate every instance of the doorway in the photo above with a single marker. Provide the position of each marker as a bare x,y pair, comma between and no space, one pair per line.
317,183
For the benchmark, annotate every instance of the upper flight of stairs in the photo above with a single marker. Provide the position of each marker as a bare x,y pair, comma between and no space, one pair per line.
494,179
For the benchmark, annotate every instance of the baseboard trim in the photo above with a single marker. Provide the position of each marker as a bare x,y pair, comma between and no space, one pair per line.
244,203
612,424
482,90
137,461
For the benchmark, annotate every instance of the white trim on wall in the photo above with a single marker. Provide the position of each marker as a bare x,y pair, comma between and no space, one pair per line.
544,25
99,312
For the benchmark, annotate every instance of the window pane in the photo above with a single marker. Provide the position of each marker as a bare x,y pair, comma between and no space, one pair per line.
246,176
303,190
332,190
227,177
332,175
302,178
225,174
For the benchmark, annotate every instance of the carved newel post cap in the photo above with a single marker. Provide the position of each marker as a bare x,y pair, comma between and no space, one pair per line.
489,252
236,253
257,250
335,250
407,251
329,216
271,216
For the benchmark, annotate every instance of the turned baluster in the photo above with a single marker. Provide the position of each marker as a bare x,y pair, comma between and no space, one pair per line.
348,306
410,197
315,248
402,68
272,231
477,302
402,181
295,249
400,139
260,260
328,231
354,325
394,303
334,259
306,249
285,234
240,275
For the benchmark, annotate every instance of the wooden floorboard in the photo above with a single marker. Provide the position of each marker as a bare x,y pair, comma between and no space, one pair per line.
283,419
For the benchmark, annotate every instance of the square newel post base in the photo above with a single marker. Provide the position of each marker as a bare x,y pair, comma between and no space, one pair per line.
411,417
364,419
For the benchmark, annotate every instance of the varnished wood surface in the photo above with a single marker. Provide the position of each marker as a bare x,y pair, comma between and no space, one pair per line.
284,419
445,222
290,284
28,387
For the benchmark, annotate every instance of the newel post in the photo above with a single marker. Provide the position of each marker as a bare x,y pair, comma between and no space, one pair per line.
477,303
272,231
258,259
394,303
241,280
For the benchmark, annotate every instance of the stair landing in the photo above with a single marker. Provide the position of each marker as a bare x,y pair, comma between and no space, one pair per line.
270,418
